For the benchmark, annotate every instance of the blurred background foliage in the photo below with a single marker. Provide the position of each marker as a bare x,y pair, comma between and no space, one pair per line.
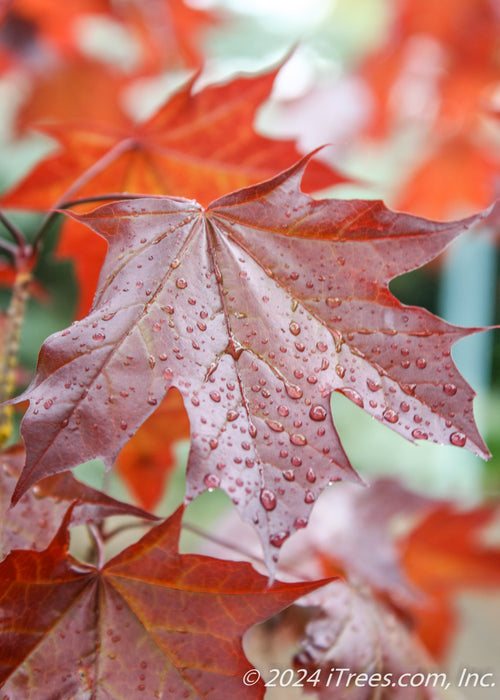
405,93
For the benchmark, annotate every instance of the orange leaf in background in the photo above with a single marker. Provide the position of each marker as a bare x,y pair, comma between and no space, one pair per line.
435,191
146,461
445,52
53,22
443,555
198,145
169,32
190,147
87,254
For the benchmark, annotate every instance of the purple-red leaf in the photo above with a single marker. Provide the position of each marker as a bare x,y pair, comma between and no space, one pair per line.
256,309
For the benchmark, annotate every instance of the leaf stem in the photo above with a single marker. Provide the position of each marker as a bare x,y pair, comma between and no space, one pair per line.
10,334
13,230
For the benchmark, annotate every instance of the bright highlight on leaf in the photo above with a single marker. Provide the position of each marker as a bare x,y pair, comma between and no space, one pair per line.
255,309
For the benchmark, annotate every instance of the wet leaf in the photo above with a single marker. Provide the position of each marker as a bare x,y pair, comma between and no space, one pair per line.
256,309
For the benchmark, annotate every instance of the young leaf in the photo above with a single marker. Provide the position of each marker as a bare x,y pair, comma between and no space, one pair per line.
256,309
151,622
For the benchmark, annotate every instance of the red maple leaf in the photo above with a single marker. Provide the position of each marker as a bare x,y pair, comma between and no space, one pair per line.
151,620
256,309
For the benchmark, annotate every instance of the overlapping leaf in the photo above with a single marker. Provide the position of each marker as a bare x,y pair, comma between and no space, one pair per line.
152,622
33,522
256,309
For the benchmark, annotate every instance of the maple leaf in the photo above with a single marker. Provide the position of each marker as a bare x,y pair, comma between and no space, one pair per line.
33,522
150,620
198,144
256,309
147,460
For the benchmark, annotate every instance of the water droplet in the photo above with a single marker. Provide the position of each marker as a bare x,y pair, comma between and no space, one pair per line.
353,395
275,425
296,461
298,374
458,439
212,481
278,539
152,401
268,499
322,347
99,336
289,475
300,523
419,434
333,302
123,425
405,407
181,283
293,391
450,389
298,440
232,415
283,410
252,430
294,328
64,423
214,443
215,396
311,476
340,371
373,386
421,363
317,413
309,497
390,415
